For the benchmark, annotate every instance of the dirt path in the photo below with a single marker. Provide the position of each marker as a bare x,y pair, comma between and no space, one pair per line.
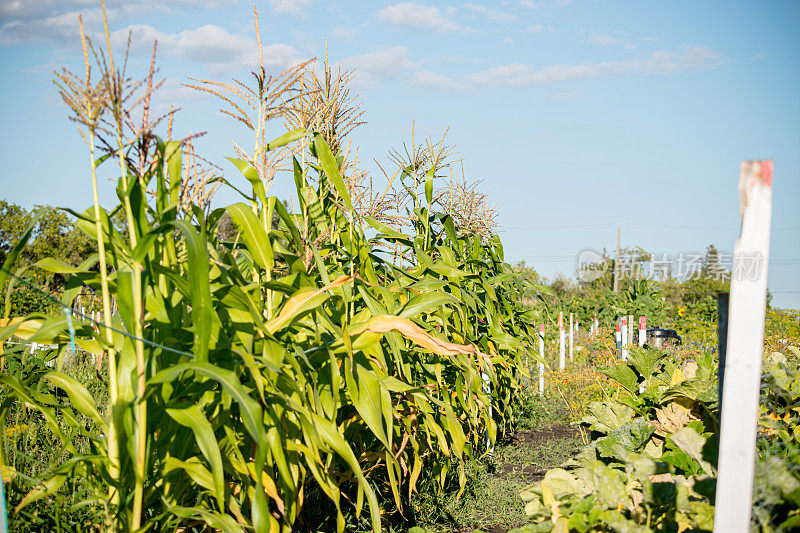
491,503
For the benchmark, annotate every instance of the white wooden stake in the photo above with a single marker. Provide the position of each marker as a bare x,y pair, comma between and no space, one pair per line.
487,388
624,331
618,337
642,330
541,355
571,335
740,393
630,329
561,356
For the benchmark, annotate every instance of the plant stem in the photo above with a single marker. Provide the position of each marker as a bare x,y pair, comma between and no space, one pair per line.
141,405
113,436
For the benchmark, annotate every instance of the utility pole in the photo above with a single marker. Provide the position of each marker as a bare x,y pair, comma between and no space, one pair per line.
616,263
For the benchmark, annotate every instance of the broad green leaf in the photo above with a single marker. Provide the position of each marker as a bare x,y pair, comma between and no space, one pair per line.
78,395
11,258
386,230
286,138
45,488
607,416
202,305
59,267
249,172
623,375
331,168
426,302
562,484
302,302
691,442
250,410
253,234
331,437
193,418
365,391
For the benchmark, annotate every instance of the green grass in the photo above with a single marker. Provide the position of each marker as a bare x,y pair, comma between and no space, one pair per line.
490,501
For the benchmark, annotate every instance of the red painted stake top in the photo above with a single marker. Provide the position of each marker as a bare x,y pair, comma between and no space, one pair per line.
541,329
617,328
642,322
766,172
624,321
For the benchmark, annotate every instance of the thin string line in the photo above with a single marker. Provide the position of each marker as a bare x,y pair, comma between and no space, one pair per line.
69,311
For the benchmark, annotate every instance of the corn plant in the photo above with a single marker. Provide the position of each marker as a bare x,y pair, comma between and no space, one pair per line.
293,363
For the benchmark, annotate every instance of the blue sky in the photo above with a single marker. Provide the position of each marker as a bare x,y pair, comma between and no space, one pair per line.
578,116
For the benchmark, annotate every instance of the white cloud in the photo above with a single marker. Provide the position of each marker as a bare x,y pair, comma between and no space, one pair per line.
24,9
490,12
58,28
291,7
689,58
610,40
220,51
56,21
430,80
381,65
418,16
543,4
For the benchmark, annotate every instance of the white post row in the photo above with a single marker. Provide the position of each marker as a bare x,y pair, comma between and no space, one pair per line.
541,355
618,338
624,338
745,346
642,330
571,335
561,358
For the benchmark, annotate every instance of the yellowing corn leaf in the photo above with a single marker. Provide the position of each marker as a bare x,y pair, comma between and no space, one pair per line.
269,486
303,302
25,328
407,328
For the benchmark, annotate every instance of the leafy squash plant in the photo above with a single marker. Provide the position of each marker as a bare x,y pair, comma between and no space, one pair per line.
651,463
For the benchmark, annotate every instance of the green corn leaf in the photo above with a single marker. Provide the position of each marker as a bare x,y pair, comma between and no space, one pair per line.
249,172
58,267
217,521
331,437
386,230
78,394
429,185
202,306
253,234
365,390
331,168
44,489
286,138
250,410
427,302
302,302
11,258
193,418
172,154
287,219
